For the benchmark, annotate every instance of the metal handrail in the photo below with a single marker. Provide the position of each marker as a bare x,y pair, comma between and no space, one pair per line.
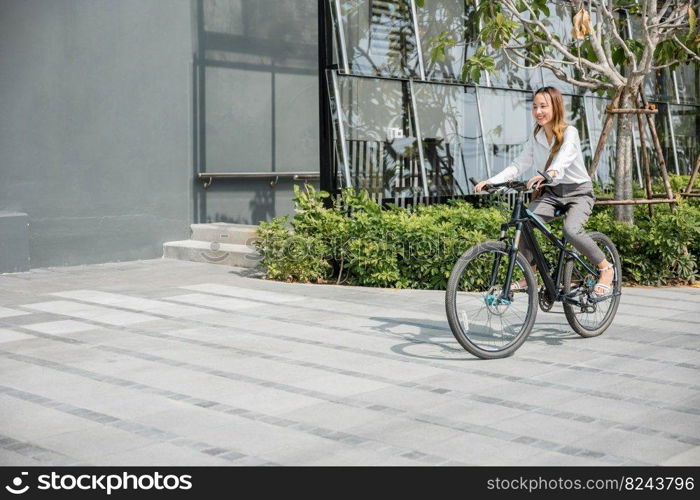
256,175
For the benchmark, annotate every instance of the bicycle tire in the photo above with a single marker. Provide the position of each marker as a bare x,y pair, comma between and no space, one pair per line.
453,284
570,310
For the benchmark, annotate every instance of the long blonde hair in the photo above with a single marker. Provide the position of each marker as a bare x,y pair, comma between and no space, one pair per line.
559,123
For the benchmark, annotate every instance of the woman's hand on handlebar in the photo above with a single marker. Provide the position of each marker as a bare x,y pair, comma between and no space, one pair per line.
541,178
481,186
535,182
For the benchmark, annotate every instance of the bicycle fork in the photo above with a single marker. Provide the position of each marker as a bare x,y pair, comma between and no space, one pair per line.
512,254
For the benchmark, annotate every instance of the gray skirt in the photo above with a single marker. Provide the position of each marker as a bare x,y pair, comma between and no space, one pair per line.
575,201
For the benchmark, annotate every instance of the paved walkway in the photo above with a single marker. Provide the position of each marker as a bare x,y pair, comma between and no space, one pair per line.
164,362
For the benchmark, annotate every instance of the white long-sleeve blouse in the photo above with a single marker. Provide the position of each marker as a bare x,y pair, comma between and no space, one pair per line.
567,163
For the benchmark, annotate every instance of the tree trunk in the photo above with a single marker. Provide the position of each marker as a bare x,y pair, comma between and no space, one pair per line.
623,160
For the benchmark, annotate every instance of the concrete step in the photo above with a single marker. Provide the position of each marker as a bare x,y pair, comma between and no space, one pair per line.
212,252
223,232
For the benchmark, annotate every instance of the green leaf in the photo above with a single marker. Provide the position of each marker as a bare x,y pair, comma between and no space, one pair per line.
420,3
618,56
465,72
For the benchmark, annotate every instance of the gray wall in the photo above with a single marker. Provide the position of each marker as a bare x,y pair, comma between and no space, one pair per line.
96,125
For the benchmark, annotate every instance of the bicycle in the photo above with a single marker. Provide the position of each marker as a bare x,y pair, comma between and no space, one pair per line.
492,321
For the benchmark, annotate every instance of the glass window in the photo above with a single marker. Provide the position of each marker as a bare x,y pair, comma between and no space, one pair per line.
595,115
453,17
451,136
507,125
686,129
576,116
511,76
378,36
559,24
380,137
659,85
664,133
688,80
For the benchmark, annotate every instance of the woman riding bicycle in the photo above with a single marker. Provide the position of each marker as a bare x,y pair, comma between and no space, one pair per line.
557,146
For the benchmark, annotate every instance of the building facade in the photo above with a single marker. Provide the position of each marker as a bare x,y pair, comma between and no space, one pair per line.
124,121
406,126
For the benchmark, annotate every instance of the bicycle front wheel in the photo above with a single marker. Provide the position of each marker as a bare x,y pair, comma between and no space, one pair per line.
486,323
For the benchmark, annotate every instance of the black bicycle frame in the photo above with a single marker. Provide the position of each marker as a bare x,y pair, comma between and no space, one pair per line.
524,222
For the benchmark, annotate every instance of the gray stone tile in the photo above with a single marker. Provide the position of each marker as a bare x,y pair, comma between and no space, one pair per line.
93,313
60,327
7,335
13,459
650,450
160,454
603,408
404,399
26,421
690,457
93,441
6,312
483,450
259,372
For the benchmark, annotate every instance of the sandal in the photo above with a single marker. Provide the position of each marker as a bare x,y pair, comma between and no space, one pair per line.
606,289
518,286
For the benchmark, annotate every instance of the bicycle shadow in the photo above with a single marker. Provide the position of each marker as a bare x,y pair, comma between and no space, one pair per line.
552,333
437,333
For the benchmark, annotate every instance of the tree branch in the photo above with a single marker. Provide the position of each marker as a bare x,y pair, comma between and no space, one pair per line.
603,70
665,6
678,13
552,65
657,68
645,62
616,34
597,44
589,83
686,49
522,56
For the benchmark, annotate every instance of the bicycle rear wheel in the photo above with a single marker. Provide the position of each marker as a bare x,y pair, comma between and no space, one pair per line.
591,318
484,322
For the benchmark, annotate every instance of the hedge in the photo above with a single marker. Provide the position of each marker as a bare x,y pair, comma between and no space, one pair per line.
357,242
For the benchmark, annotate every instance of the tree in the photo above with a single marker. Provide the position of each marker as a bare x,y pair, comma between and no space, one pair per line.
601,55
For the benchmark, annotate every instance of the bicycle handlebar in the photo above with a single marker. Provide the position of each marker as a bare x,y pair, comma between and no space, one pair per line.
515,185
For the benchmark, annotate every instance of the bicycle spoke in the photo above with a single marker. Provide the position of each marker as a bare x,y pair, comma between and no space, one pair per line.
485,319
591,317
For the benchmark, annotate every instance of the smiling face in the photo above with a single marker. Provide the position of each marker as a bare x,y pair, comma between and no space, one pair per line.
542,109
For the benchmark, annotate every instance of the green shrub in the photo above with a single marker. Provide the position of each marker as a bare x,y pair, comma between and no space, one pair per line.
680,182
657,250
353,240
290,256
